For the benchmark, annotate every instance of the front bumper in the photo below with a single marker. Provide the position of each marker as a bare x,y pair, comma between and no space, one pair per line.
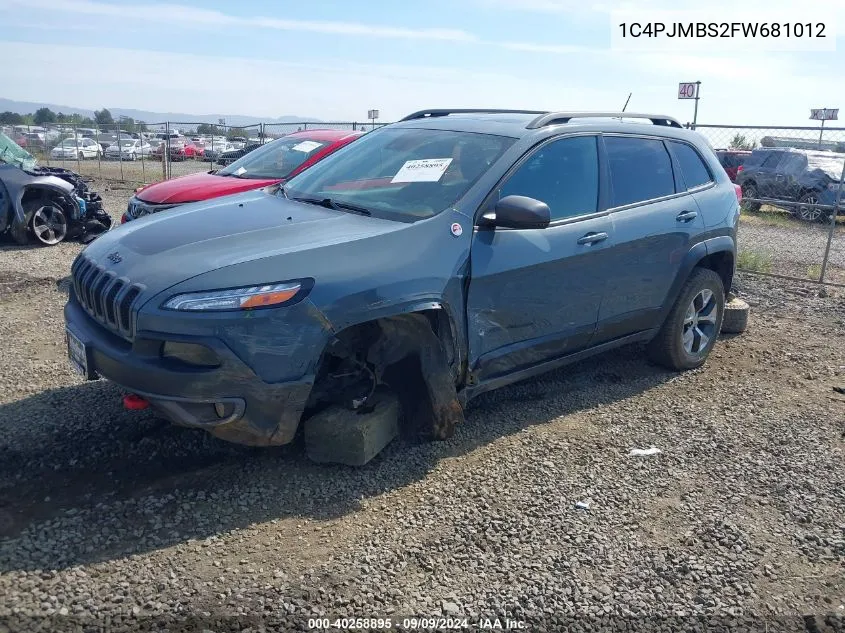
256,413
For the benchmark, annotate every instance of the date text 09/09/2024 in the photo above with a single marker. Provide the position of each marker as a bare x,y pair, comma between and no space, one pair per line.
724,29
416,624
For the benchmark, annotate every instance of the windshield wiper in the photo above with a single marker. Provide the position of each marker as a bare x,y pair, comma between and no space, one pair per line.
336,205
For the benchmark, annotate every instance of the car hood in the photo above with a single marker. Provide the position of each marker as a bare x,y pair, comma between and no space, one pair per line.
161,250
196,187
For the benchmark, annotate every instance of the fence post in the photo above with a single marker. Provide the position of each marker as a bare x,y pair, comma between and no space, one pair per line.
832,224
119,150
165,155
100,153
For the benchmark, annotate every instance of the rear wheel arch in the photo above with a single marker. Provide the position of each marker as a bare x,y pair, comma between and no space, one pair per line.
723,263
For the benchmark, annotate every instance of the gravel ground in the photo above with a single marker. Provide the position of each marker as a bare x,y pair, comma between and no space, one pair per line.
115,515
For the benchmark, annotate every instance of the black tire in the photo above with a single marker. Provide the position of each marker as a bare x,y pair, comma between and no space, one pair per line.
808,214
749,190
81,156
668,347
735,320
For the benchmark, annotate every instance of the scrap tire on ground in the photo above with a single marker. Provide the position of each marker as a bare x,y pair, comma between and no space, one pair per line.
735,320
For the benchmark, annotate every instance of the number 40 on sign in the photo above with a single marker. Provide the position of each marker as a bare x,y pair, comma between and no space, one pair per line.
687,90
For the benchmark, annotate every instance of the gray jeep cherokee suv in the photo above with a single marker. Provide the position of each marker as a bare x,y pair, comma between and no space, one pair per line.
439,257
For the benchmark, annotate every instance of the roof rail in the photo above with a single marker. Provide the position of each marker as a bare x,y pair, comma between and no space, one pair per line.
555,118
424,114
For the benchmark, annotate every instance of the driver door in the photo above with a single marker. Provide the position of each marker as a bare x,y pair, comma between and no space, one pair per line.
534,294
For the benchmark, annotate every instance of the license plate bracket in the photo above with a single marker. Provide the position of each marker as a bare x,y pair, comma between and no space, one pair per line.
77,353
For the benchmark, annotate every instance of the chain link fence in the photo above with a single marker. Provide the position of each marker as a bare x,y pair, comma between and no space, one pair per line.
791,178
143,153
792,223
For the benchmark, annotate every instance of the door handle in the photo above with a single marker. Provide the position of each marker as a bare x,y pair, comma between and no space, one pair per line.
592,238
686,216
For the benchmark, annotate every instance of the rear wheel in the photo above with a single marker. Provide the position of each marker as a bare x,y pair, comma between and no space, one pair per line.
690,331
81,156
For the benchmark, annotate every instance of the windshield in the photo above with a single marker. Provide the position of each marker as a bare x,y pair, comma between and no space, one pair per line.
276,159
69,142
13,154
402,173
127,143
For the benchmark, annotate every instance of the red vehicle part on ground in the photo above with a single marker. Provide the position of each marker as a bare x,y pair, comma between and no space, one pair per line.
275,162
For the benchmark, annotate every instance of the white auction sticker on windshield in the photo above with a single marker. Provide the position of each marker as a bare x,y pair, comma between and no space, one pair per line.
306,146
239,171
422,170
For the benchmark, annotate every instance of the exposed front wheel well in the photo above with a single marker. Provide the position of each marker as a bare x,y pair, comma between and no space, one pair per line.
722,263
409,354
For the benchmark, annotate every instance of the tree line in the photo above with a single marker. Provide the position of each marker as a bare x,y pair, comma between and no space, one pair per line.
43,116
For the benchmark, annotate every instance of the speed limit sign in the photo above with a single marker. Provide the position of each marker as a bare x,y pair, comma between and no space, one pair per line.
687,90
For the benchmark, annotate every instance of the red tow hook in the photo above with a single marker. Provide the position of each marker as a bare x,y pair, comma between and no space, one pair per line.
134,402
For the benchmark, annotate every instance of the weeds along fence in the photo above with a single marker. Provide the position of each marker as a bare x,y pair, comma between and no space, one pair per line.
792,222
143,153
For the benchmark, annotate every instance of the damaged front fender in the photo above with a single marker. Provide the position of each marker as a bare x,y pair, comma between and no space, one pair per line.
409,358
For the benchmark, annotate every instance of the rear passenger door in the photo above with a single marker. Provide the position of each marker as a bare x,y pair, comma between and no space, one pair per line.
654,221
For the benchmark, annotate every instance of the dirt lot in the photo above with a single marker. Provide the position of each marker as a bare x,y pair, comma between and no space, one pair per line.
111,514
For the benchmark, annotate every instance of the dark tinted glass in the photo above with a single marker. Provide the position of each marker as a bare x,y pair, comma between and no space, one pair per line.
693,169
640,169
564,174
772,160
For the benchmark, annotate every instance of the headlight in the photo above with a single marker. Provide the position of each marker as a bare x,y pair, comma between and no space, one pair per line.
247,298
833,186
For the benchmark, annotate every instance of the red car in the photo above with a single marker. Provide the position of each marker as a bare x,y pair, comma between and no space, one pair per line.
270,164
732,161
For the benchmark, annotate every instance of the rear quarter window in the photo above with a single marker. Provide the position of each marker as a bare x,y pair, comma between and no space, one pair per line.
694,171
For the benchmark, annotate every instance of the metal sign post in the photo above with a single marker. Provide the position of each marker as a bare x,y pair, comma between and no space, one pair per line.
690,90
372,115
823,114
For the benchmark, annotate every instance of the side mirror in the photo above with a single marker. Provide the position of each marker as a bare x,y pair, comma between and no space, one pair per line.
518,212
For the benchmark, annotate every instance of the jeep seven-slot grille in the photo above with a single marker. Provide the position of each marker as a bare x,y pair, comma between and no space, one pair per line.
105,297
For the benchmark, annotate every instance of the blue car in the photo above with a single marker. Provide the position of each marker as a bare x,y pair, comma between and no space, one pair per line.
806,182
436,258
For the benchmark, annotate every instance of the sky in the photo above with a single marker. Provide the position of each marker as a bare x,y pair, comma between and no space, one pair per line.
335,59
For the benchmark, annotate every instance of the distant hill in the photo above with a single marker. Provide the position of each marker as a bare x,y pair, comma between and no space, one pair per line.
29,107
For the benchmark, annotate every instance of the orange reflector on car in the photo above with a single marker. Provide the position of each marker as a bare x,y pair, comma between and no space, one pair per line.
269,298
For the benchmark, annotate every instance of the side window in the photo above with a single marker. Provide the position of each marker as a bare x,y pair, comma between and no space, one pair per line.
640,169
693,170
772,160
564,174
793,163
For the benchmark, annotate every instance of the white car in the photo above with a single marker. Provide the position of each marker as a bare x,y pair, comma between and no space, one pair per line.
73,148
128,149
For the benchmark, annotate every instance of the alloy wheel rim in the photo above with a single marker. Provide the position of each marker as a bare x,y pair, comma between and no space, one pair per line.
810,213
49,225
699,327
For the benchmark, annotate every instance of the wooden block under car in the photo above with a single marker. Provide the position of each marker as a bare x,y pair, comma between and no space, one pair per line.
340,435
